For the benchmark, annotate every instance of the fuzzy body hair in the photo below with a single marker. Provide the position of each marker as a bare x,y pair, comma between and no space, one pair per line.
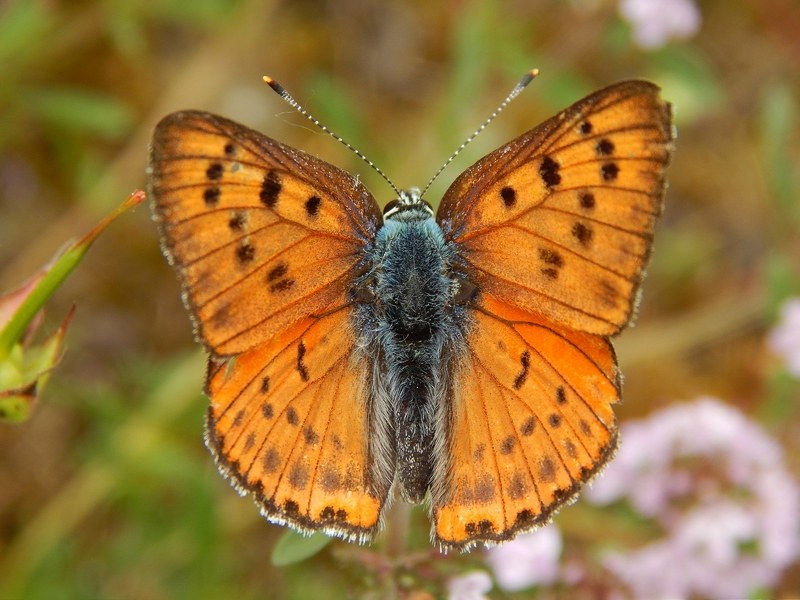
414,332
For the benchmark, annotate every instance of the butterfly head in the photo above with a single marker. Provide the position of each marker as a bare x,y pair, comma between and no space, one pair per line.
409,204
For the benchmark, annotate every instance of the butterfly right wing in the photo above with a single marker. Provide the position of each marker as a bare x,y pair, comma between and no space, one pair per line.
266,240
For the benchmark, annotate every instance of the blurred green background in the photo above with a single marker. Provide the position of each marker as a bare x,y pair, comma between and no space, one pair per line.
108,491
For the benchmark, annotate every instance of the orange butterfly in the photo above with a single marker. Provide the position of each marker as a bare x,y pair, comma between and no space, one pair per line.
463,358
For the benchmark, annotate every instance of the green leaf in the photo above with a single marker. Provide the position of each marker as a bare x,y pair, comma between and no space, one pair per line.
293,547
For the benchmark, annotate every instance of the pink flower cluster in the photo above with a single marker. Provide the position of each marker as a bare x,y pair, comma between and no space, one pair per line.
716,485
654,22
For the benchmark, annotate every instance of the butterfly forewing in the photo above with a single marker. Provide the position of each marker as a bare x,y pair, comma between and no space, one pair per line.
560,220
261,234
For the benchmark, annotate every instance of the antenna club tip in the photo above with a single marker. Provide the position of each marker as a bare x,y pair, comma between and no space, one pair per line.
529,76
274,85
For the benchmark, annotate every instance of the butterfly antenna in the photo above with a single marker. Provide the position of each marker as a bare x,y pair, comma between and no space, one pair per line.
281,91
529,76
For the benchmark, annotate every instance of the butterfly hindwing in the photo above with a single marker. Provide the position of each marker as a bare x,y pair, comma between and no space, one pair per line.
289,422
261,234
531,421
560,220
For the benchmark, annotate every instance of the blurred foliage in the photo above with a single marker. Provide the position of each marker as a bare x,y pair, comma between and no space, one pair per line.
108,492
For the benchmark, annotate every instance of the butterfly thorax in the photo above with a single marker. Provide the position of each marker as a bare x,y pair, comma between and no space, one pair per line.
411,289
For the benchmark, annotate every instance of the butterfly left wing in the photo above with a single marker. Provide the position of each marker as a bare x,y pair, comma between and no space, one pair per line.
531,421
267,240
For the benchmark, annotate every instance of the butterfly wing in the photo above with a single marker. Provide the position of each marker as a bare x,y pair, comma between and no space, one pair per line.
266,240
554,229
560,220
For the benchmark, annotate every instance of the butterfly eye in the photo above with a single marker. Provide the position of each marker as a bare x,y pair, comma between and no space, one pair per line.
391,206
406,201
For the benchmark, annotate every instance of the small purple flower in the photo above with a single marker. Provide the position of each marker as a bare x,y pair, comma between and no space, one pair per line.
654,22
784,340
529,560
470,586
717,486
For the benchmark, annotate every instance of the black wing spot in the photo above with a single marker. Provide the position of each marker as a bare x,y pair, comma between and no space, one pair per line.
278,281
301,367
550,273
583,233
291,416
310,436
277,272
298,476
561,395
239,418
551,257
553,260
245,253
211,195
236,222
525,361
509,196
554,420
270,189
548,170
547,470
528,426
586,128
281,286
214,171
250,441
271,461
587,200
230,149
609,171
605,147
312,206
507,446
330,481
267,410
265,384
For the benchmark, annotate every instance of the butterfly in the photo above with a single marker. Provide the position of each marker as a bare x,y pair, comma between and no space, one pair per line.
460,357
